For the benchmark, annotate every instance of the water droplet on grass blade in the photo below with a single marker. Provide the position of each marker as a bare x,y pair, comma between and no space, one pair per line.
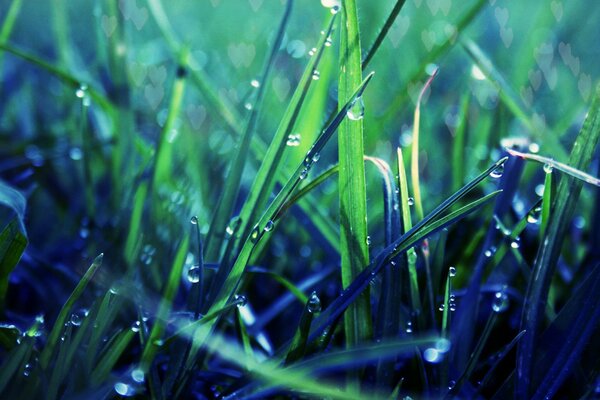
316,75
432,355
304,173
293,140
75,319
498,172
314,303
269,226
548,168
500,302
193,274
123,389
241,300
411,201
357,110
328,41
194,220
452,271
255,83
137,375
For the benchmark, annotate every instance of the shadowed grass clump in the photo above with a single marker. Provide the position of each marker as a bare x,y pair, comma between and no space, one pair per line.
179,220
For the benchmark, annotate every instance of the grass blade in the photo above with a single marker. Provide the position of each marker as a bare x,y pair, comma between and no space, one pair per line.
562,211
354,250
227,290
65,312
225,206
166,303
383,33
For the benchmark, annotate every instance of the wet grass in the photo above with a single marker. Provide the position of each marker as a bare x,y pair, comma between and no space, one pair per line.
173,226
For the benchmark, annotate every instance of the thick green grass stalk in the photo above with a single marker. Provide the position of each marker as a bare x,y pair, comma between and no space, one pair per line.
545,264
353,203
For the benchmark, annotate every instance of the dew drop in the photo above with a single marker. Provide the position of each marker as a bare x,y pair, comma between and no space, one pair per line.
548,168
316,75
27,369
514,244
123,389
194,220
442,345
328,42
500,302
334,9
241,300
451,385
255,83
312,51
75,153
314,303
254,235
193,274
411,201
135,327
357,110
442,307
293,140
81,91
137,375
368,240
269,226
409,327
534,216
248,106
452,271
316,157
75,319
497,173
432,355
304,173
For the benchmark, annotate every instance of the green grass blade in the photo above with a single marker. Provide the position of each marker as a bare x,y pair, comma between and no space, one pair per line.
111,356
458,144
46,354
14,360
562,211
427,226
353,199
411,257
383,33
266,222
166,303
8,25
414,162
134,236
546,203
550,164
298,345
431,57
509,97
164,151
225,207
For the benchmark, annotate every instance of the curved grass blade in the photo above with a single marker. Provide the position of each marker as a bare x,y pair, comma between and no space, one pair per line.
414,161
112,354
225,206
383,32
431,57
432,223
298,346
227,290
164,152
66,77
549,163
171,287
354,250
264,182
48,351
545,263
509,97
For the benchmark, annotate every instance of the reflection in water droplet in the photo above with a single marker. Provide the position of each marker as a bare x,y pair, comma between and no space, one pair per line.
497,173
314,303
137,375
194,273
316,75
357,110
269,226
